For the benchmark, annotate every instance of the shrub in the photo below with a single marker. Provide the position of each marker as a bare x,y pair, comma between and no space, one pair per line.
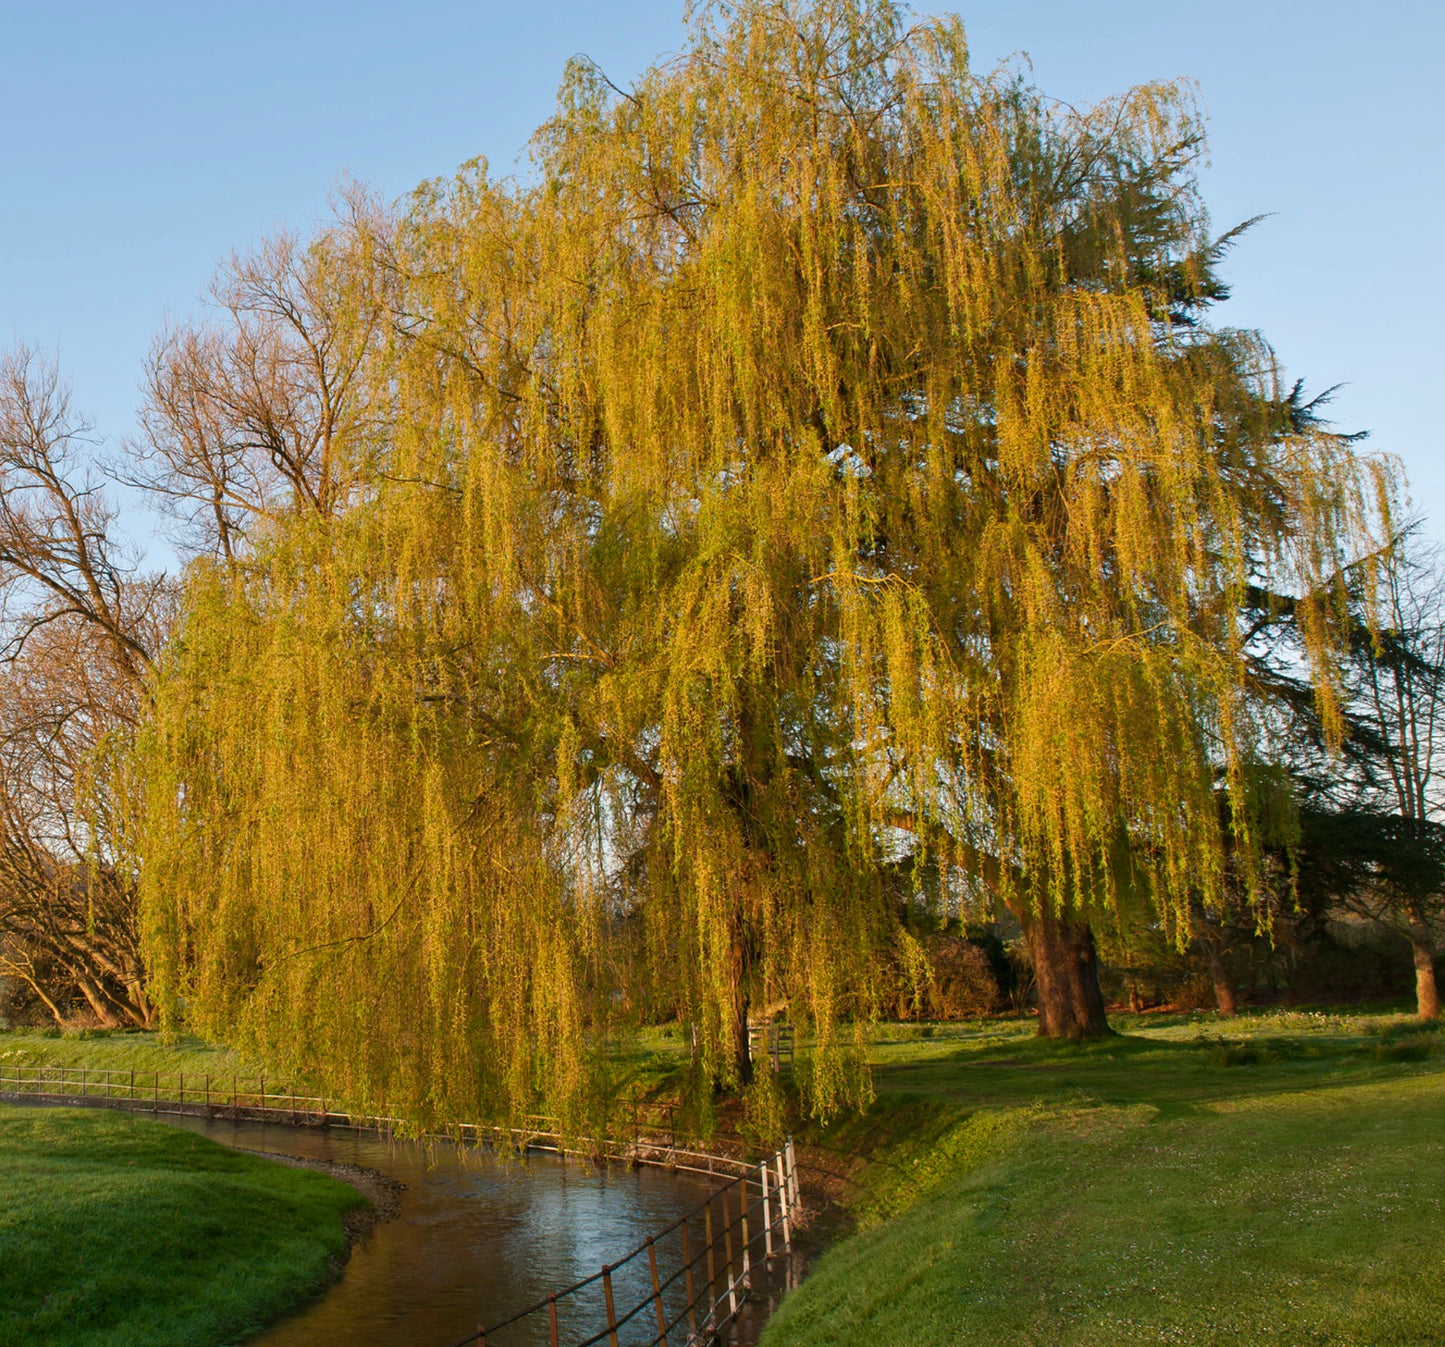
963,983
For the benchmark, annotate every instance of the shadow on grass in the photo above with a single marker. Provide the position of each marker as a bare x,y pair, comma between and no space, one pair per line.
1179,1075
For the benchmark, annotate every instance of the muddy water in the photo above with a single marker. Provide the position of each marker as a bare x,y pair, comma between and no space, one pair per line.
478,1239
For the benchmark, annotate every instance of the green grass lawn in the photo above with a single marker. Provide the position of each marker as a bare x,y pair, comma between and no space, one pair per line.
116,1231
126,1050
1276,1181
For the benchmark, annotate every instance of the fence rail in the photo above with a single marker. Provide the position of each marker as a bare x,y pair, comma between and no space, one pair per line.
771,1043
652,1136
160,1092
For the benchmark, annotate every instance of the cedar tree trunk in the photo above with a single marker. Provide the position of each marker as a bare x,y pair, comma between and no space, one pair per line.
1427,994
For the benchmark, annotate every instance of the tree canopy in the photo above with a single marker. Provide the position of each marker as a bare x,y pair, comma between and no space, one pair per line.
816,489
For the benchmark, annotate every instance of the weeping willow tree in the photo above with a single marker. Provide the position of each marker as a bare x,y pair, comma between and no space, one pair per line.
816,489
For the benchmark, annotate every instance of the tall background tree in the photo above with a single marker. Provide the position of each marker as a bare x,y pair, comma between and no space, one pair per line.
1374,835
262,410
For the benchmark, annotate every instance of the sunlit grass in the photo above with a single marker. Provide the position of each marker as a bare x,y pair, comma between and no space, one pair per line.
117,1231
120,1051
1271,1179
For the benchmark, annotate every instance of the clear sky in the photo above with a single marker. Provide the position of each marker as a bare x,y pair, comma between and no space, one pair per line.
144,141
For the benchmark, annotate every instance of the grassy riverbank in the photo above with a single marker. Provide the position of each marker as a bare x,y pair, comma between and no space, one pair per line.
1276,1179
98,1050
116,1231
1279,1181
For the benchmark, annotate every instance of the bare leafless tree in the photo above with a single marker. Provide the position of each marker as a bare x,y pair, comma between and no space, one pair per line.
261,409
1400,691
80,623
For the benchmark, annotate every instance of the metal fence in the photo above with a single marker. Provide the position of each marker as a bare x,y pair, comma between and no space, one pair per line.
694,1276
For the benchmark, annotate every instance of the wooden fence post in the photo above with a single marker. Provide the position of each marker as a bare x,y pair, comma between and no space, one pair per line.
712,1296
687,1281
747,1250
657,1292
728,1250
611,1309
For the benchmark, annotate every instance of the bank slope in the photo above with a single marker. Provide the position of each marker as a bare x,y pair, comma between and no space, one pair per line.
1310,1216
116,1231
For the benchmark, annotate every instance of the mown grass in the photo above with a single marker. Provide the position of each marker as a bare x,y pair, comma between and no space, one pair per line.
1276,1180
127,1050
117,1231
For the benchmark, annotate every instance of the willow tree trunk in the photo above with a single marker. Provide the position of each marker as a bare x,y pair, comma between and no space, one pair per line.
742,1046
1427,994
741,1003
1219,975
1066,975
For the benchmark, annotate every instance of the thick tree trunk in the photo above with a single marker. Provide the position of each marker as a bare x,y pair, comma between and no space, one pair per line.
95,998
1066,974
1427,994
1219,975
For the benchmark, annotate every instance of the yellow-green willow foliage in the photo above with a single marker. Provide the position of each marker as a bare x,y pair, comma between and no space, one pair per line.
818,485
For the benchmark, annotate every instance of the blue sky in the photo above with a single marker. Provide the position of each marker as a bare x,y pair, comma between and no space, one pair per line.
144,141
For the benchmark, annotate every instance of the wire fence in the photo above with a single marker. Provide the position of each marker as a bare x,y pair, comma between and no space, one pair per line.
684,1285
165,1092
650,1138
